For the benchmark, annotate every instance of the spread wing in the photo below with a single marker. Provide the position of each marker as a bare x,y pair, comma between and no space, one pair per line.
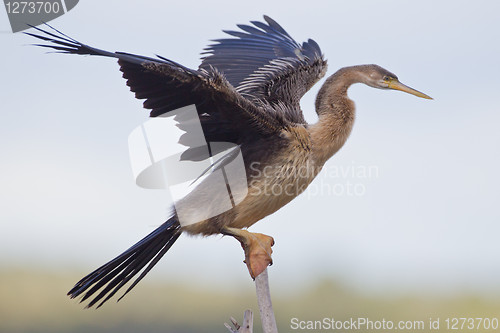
267,66
165,85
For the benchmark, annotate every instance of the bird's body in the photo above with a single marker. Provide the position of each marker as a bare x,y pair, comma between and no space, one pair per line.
247,91
269,189
298,154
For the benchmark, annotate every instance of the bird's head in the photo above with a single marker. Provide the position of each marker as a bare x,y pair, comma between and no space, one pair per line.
378,77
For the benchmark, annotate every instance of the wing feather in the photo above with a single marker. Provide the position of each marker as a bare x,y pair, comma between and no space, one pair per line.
267,66
166,85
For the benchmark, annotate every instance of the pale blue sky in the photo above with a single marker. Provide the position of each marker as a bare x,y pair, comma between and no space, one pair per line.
428,218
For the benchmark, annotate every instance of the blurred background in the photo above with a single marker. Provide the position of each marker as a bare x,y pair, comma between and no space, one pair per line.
402,224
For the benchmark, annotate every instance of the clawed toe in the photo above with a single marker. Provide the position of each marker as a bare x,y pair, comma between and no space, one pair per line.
257,249
258,253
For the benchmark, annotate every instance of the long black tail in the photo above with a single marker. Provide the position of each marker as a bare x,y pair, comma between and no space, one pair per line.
116,273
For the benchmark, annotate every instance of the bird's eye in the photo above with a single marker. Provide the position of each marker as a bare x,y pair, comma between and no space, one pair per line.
386,78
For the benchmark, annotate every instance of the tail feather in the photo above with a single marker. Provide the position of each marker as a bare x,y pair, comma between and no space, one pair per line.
116,273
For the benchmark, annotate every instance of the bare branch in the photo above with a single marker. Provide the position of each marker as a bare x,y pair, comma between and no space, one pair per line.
265,308
265,304
247,326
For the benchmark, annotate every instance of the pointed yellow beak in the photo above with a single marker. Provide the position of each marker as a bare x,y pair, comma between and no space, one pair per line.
396,85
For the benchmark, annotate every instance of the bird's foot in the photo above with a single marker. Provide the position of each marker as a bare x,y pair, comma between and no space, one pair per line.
257,249
258,253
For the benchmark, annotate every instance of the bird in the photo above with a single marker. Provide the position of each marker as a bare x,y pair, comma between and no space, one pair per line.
247,92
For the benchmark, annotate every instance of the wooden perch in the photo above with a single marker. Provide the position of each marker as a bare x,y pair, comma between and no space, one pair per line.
265,304
265,308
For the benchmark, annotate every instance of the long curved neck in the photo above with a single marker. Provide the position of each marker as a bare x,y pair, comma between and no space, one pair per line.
336,114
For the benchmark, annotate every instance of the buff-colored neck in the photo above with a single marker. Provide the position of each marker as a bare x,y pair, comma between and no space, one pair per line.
336,114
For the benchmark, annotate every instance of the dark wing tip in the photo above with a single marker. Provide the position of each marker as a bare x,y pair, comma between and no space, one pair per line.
63,43
272,23
311,49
